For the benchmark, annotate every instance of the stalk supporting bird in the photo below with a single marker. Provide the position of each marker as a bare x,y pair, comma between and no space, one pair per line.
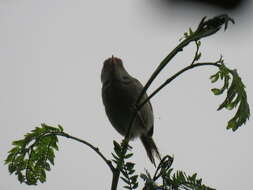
120,92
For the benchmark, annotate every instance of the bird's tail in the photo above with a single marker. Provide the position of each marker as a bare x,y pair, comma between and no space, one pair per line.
150,148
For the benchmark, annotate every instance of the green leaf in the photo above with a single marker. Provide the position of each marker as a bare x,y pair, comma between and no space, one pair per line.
135,185
31,156
231,124
193,177
128,155
216,91
215,77
46,166
114,156
230,106
236,95
186,35
126,180
11,168
130,165
199,181
127,187
211,26
49,128
198,56
115,161
134,178
18,142
190,31
144,177
61,128
198,43
10,158
42,176
51,156
14,150
130,172
117,148
116,145
54,144
21,177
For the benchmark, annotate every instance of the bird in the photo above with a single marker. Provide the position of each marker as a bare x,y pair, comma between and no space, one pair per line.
120,92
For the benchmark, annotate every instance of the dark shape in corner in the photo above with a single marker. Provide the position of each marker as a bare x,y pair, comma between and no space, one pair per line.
226,4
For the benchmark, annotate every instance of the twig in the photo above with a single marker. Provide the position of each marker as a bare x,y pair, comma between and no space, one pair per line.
196,56
172,78
115,179
108,162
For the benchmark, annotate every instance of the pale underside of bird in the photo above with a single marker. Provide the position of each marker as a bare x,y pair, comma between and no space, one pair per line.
119,93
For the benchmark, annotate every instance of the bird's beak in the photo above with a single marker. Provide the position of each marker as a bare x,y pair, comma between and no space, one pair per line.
114,61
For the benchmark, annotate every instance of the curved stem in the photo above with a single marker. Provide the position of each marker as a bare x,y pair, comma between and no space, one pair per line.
196,53
108,162
172,78
164,62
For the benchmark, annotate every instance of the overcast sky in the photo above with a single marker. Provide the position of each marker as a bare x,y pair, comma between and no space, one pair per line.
51,55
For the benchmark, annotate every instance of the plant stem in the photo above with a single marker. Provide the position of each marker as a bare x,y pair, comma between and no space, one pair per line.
164,62
115,179
196,53
173,77
108,162
116,173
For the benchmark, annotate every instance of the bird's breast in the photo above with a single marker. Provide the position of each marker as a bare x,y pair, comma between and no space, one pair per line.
118,106
117,95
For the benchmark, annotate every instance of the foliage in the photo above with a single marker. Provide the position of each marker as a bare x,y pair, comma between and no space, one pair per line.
204,29
127,169
236,96
208,27
32,156
176,181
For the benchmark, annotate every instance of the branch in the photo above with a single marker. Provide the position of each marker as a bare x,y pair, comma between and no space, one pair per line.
31,157
197,53
205,28
174,77
108,162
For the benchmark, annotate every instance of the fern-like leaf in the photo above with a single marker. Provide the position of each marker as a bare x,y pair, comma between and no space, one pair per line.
33,155
236,96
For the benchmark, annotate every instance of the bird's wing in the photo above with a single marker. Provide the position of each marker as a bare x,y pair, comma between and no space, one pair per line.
145,115
139,87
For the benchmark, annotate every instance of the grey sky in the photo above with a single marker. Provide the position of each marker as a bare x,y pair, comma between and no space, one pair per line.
51,58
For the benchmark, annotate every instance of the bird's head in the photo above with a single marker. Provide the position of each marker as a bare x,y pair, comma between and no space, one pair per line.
113,69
